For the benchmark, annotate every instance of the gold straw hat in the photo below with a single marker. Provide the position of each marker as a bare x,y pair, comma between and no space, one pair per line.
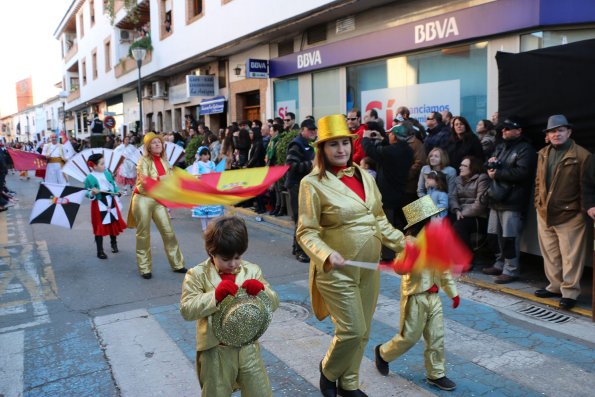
332,127
148,138
242,319
419,210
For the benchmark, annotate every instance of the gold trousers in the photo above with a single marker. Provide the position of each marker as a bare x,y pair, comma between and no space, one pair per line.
144,210
223,369
350,294
420,314
564,248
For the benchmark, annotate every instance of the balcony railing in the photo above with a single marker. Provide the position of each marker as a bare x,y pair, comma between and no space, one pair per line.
126,65
71,52
74,94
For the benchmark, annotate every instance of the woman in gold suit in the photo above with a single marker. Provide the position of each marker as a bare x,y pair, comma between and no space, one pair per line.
154,165
341,218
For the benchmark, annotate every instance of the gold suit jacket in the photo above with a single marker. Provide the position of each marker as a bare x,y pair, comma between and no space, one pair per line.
198,297
416,283
333,218
144,168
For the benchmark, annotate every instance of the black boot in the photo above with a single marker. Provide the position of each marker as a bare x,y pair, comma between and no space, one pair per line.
114,244
99,243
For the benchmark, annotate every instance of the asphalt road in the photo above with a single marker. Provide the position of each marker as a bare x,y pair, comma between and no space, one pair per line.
74,325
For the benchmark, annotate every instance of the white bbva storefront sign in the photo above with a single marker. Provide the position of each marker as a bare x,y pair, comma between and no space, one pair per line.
421,99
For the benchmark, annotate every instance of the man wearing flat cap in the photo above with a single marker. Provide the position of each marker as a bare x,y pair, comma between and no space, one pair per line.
561,223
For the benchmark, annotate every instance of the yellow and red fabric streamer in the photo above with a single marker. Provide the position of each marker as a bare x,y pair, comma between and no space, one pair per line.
436,247
181,189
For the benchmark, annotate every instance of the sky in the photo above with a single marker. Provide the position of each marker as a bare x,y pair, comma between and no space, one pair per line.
29,49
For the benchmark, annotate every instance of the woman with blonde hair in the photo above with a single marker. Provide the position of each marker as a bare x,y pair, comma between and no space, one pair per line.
143,209
437,161
341,218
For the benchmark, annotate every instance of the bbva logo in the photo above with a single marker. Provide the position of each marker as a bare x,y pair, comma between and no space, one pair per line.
436,30
309,59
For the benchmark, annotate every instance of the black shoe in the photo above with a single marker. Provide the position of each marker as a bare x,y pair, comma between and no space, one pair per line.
302,258
147,275
492,271
115,248
260,211
351,393
442,383
101,255
182,270
381,365
567,303
544,293
274,212
281,213
327,388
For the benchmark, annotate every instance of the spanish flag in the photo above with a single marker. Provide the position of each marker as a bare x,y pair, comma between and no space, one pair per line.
436,247
181,189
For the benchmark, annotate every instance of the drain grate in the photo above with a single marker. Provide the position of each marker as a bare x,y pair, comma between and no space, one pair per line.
545,314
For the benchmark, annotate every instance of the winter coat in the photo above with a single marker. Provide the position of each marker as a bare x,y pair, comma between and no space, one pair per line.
564,199
467,195
457,149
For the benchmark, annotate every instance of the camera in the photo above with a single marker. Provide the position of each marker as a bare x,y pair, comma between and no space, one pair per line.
373,134
494,165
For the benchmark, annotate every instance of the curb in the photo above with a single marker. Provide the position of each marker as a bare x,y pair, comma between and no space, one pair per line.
466,278
267,218
525,295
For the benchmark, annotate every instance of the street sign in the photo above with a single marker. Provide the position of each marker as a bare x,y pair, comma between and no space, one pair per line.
109,122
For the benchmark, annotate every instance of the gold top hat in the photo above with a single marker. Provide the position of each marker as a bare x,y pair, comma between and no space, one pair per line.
242,319
332,127
419,210
147,141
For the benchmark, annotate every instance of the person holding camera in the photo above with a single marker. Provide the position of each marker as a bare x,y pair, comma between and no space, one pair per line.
511,170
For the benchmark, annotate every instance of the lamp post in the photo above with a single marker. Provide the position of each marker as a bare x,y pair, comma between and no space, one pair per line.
139,54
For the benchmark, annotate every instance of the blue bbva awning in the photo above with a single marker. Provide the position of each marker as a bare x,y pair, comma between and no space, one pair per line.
212,105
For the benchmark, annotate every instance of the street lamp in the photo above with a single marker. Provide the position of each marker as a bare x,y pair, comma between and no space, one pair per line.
139,54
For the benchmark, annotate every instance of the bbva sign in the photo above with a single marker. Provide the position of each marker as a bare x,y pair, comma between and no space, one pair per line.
436,30
309,59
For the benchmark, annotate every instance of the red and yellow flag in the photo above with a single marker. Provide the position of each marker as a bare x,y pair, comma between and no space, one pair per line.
182,189
437,247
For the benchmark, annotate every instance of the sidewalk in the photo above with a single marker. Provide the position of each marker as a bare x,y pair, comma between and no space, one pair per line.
532,276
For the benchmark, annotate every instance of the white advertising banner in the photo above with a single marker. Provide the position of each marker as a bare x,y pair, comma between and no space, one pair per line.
421,99
283,107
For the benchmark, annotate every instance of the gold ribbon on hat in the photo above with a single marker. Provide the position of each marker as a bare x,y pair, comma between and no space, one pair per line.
349,172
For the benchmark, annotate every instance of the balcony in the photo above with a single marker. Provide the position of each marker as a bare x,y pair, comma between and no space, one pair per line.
75,93
127,64
71,52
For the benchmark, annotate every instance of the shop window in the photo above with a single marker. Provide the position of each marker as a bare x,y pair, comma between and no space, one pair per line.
325,91
370,84
316,34
537,40
285,47
94,63
107,49
286,97
194,10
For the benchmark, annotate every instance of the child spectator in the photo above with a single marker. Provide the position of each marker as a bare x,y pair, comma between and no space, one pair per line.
220,367
437,189
369,165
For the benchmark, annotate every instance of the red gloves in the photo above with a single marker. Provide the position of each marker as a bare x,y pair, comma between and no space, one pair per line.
253,286
456,301
225,287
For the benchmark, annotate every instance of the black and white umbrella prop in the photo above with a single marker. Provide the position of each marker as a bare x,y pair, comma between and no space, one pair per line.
173,152
57,204
107,208
78,168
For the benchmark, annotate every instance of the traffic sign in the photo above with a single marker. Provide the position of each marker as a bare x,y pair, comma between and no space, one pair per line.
109,122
